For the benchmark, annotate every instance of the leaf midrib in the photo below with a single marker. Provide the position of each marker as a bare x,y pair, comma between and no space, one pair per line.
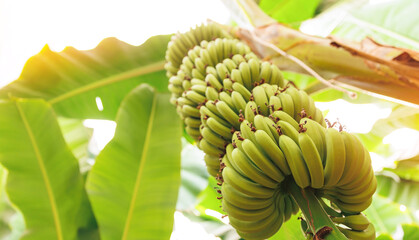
45,178
109,80
140,169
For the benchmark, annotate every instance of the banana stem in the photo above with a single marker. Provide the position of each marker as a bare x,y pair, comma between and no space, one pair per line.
316,217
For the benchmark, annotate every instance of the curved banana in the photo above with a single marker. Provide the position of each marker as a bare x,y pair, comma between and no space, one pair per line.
240,88
273,151
219,128
295,161
317,134
261,99
357,222
281,115
367,234
246,75
260,160
287,103
242,200
312,159
244,185
335,157
228,114
252,171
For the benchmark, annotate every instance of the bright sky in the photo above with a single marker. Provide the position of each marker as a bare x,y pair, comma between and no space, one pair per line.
26,25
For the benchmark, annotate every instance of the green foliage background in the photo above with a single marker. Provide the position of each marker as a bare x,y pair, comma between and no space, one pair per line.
147,172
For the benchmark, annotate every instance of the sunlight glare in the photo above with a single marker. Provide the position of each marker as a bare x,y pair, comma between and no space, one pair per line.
185,229
404,142
357,118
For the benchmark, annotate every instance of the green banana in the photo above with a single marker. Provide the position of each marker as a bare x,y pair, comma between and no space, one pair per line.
357,222
312,159
367,234
295,161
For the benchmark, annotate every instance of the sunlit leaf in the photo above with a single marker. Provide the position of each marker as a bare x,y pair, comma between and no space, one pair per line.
17,226
44,181
398,190
133,185
77,137
290,230
385,215
411,231
92,83
385,21
286,11
408,169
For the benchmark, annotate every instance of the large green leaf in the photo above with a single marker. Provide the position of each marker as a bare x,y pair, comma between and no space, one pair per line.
79,84
44,181
133,185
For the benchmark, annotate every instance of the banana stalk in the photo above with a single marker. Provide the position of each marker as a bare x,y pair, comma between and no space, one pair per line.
317,219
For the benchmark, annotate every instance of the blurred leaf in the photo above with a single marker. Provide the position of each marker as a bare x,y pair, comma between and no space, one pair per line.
213,226
289,11
78,83
44,181
384,237
301,80
194,176
133,185
398,190
385,215
77,137
411,231
208,197
17,225
400,117
290,230
408,169
385,21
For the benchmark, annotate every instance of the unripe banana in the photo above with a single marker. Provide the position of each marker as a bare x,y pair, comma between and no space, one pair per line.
238,101
246,75
242,200
228,114
312,160
273,151
261,99
250,111
219,128
295,161
367,234
287,103
245,165
261,161
245,186
335,157
357,222
281,115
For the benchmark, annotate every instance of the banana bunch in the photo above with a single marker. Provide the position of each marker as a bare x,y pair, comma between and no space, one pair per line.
259,132
181,43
